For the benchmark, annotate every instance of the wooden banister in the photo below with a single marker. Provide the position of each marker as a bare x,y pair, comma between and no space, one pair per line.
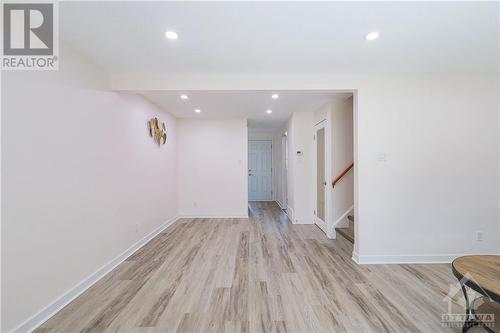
339,177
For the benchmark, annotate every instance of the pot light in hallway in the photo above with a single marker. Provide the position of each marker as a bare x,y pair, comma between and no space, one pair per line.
184,96
275,96
172,35
372,35
197,110
269,111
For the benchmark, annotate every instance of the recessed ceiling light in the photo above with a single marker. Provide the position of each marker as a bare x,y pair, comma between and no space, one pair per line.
372,36
184,96
171,35
269,111
275,96
197,110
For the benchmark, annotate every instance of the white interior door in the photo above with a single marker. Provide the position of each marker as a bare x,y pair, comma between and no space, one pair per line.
320,160
260,170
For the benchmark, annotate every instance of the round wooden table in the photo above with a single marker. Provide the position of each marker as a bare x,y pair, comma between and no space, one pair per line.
481,273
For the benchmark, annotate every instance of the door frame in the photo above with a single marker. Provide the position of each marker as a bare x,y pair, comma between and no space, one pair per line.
325,226
272,172
284,170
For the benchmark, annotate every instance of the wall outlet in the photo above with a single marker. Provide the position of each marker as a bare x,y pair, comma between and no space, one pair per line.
195,204
479,236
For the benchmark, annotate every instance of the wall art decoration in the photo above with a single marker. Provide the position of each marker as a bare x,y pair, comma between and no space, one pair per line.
157,131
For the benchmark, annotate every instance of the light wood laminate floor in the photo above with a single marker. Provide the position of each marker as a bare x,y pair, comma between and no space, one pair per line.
261,274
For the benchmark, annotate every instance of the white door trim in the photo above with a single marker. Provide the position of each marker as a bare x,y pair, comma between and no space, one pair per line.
327,225
284,170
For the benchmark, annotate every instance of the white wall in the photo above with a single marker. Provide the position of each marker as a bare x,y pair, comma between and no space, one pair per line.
439,184
300,172
440,133
81,180
212,167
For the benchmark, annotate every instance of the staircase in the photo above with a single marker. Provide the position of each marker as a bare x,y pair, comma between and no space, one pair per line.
347,233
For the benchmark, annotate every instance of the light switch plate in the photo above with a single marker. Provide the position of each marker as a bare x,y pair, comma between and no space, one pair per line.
381,157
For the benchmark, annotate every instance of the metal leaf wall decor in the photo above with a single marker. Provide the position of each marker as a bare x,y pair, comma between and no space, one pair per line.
157,131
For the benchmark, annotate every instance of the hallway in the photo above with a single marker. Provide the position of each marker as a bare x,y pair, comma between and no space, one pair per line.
257,274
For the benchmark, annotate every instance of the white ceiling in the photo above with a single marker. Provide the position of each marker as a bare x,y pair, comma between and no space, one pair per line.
285,36
242,104
278,37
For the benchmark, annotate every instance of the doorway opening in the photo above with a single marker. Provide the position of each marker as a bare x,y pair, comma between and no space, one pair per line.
313,135
333,164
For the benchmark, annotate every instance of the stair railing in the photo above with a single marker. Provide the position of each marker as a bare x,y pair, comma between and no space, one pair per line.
339,177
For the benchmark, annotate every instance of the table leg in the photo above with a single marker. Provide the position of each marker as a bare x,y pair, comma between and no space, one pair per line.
470,320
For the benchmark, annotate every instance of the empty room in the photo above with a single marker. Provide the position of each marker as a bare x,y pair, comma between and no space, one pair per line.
250,166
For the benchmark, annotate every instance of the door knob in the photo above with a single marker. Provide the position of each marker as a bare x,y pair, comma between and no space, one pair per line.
324,183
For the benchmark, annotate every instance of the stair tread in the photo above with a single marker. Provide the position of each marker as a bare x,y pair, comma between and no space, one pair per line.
347,233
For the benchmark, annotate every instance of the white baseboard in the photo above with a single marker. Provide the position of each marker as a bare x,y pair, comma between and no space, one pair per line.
303,220
280,204
51,309
342,221
331,234
404,259
290,213
355,257
201,216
